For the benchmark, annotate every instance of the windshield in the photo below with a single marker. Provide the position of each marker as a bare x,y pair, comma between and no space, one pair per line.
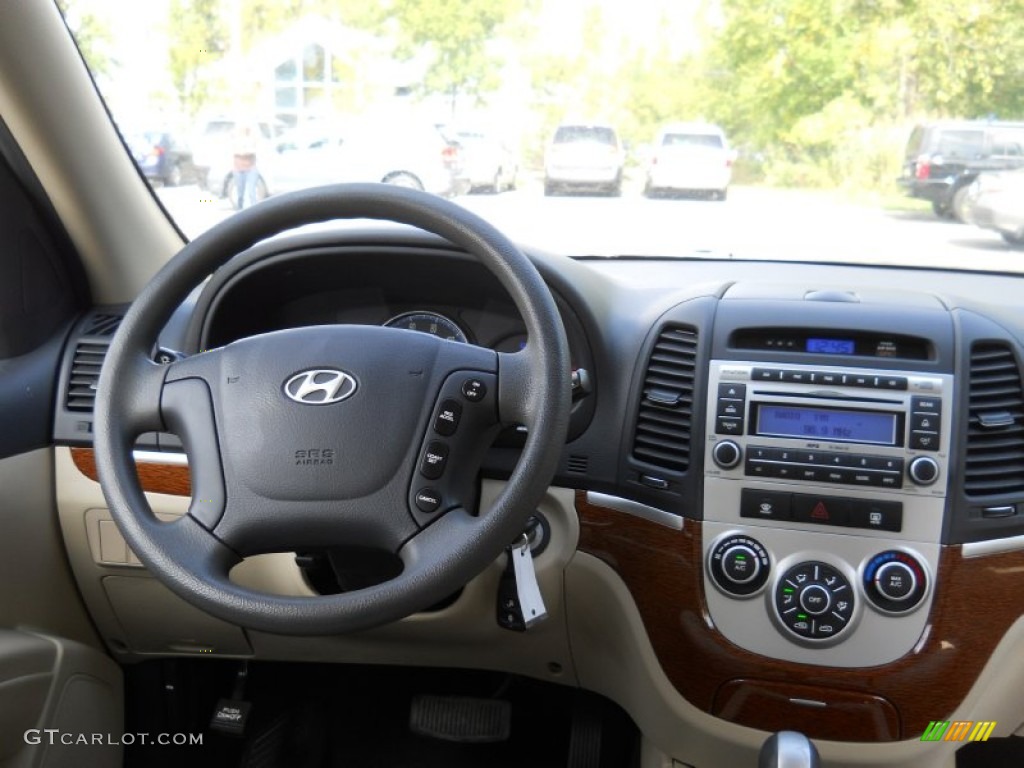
856,132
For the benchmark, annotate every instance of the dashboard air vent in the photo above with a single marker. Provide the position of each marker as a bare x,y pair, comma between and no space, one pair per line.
85,375
995,429
665,417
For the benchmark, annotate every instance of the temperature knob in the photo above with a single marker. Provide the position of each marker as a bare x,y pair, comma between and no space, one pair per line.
739,565
895,581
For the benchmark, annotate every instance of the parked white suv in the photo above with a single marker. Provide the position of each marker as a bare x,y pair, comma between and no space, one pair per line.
692,158
584,156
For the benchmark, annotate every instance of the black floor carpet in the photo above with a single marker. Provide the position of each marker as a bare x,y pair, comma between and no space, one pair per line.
337,716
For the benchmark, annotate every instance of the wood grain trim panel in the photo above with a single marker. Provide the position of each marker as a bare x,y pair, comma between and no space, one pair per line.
976,600
157,478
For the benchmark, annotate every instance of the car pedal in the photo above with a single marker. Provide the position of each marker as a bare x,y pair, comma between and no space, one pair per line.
230,714
585,736
461,719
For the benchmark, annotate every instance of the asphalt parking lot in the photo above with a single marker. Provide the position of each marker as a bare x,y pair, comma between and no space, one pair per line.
752,223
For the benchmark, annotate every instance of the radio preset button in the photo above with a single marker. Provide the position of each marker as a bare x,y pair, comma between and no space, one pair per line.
797,377
822,377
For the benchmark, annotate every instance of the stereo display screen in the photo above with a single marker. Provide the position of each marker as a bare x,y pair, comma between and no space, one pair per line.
807,423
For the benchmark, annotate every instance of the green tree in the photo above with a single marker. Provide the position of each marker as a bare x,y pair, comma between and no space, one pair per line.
458,35
91,34
198,38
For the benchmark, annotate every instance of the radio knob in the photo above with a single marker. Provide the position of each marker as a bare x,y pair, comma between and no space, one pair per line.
726,454
923,470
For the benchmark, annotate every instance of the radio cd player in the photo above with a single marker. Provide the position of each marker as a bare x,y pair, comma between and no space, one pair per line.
885,430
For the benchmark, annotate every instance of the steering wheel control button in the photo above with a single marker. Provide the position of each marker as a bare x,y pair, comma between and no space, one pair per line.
739,565
435,458
814,601
765,505
428,500
895,581
923,470
447,419
474,390
726,454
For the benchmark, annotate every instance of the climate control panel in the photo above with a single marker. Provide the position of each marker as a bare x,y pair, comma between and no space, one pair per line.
817,597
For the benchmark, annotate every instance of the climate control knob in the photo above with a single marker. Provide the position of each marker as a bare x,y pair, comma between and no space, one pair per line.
726,454
895,581
814,602
923,470
739,565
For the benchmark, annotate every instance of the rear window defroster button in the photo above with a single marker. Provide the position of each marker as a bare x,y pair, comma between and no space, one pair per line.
434,460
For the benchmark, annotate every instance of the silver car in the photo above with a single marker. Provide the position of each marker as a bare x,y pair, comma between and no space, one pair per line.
996,201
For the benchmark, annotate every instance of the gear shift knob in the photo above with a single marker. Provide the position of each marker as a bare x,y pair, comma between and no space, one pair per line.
788,749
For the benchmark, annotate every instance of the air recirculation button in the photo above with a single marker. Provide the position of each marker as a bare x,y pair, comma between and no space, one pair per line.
739,565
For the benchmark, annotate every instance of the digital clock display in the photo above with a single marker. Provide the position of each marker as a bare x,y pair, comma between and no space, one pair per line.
847,426
831,346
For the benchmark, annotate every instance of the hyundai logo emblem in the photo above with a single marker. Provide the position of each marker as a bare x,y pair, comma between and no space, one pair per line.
321,386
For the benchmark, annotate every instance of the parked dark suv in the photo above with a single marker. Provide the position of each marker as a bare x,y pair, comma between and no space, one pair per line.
943,158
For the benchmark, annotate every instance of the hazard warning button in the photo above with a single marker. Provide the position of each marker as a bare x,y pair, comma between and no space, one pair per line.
824,510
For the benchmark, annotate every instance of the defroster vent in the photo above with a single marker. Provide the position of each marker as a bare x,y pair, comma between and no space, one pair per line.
995,429
665,418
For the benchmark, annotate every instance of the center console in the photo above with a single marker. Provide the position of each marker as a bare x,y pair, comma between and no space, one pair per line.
824,493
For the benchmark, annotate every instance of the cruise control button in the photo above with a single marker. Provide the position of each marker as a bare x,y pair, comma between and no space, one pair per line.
434,460
428,500
474,390
447,420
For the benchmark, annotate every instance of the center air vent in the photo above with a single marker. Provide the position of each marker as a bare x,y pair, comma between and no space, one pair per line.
665,417
995,430
85,375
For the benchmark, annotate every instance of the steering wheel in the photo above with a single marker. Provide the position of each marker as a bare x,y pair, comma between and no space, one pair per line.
332,436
